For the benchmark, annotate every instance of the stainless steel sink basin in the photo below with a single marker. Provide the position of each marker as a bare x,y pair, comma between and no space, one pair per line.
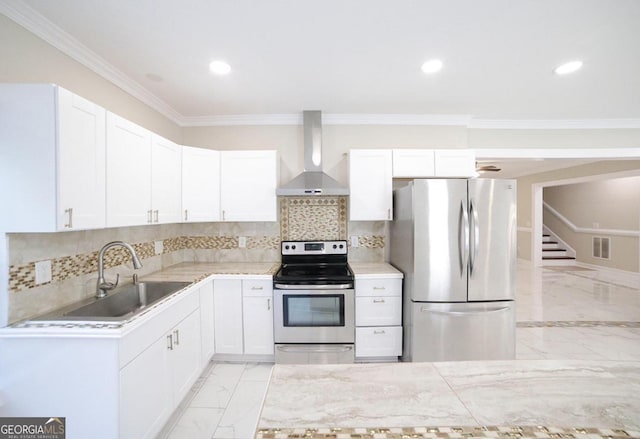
122,303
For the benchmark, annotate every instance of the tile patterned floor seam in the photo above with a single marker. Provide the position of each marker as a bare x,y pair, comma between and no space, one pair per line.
507,432
577,324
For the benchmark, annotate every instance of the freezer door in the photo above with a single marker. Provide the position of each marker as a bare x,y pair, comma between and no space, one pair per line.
441,235
462,331
493,231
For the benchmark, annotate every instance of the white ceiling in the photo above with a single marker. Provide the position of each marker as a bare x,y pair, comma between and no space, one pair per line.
364,56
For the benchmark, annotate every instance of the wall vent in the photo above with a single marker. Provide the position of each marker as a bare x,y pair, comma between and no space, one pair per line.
601,247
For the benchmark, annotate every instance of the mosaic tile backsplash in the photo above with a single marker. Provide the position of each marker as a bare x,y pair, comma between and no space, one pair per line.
74,255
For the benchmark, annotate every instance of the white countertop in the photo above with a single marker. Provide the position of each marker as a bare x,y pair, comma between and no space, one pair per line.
192,271
375,270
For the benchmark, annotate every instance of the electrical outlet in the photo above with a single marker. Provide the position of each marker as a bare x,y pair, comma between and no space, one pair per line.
242,241
159,247
43,272
354,241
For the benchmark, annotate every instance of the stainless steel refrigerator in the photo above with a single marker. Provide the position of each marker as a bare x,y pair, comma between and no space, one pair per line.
455,241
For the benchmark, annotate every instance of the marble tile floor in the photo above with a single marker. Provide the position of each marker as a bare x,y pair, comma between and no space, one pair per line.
563,314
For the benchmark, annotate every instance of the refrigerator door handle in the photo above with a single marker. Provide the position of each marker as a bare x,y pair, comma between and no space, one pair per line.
463,237
463,313
473,251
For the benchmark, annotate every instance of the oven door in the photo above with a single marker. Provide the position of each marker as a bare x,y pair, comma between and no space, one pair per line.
314,315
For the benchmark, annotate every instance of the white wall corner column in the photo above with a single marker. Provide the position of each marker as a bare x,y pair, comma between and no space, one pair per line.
536,235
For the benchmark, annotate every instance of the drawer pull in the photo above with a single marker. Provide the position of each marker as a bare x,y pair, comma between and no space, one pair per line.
257,288
169,342
177,334
380,332
379,288
378,300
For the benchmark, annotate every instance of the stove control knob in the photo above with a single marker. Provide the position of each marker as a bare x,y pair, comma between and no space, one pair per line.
293,247
341,245
286,247
335,246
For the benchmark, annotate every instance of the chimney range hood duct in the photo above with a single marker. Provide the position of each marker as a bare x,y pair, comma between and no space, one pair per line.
312,181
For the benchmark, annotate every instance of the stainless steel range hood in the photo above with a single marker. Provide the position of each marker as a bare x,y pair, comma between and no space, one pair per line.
312,181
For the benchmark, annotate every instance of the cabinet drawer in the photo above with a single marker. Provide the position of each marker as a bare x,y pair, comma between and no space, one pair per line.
378,287
383,341
378,311
253,288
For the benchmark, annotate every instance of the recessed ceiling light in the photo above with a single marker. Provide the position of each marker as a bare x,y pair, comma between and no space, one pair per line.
432,66
567,68
219,67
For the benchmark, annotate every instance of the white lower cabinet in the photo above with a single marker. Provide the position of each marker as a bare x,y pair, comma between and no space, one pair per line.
227,304
154,382
378,318
257,310
243,316
207,326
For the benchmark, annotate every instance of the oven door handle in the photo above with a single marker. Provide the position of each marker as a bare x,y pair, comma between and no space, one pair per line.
313,287
310,349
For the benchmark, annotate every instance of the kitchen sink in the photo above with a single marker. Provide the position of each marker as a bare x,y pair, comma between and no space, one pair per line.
121,304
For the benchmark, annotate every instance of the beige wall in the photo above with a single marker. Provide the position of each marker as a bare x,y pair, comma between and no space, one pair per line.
574,138
26,58
600,205
525,185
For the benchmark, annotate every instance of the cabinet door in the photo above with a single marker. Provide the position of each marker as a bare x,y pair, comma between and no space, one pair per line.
379,341
370,185
166,180
258,324
455,162
227,307
184,356
200,184
145,393
128,173
207,329
413,163
248,181
81,163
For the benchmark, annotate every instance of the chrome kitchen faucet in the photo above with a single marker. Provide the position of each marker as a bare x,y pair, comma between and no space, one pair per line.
103,286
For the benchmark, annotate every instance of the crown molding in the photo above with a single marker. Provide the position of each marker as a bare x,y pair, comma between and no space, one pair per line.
557,153
37,24
553,124
329,119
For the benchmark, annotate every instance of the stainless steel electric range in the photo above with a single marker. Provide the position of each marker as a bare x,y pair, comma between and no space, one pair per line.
314,304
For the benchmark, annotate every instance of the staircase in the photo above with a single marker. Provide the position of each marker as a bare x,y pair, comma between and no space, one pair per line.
555,253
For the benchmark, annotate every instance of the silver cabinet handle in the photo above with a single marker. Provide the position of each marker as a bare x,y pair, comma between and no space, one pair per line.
177,334
223,212
379,288
388,214
186,215
378,300
169,342
257,288
268,304
149,216
69,212
155,216
380,332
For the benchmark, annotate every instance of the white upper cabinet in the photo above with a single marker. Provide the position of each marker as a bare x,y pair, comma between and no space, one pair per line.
166,180
52,148
248,181
413,163
370,185
200,184
128,173
81,162
425,163
144,176
455,162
